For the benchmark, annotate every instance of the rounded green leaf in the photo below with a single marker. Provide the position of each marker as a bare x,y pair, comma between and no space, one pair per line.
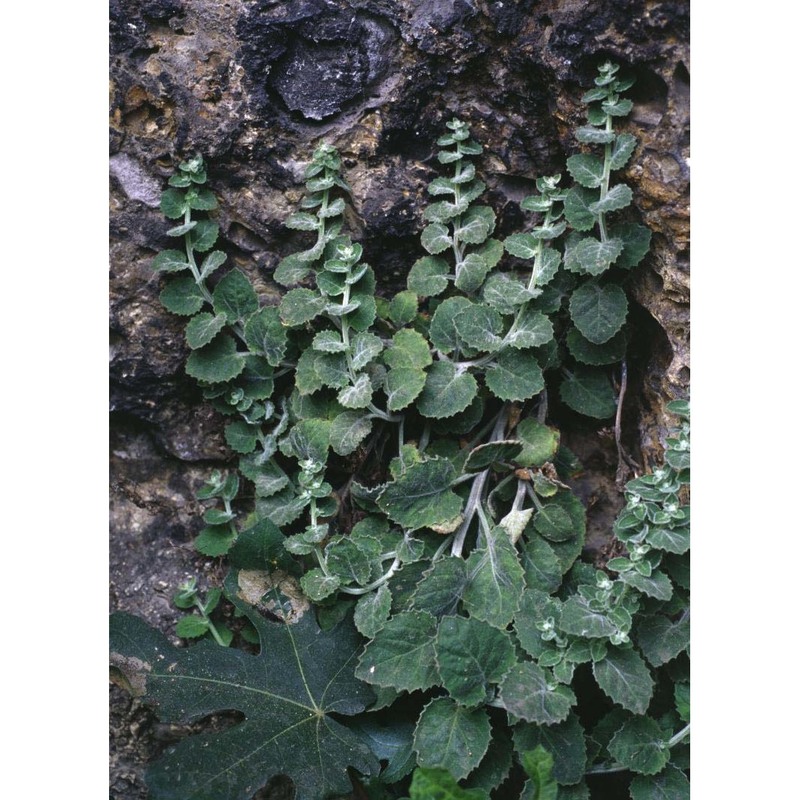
587,170
408,349
435,239
173,203
639,745
515,376
170,261
554,523
215,540
216,362
348,430
403,307
624,677
264,333
576,208
447,391
442,330
589,256
372,611
598,311
669,784
203,327
403,386
428,276
480,327
529,693
589,392
191,627
596,355
235,297
539,442
182,296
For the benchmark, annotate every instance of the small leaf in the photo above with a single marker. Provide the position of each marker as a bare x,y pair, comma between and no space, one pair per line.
447,391
471,272
408,349
515,376
201,199
672,540
451,737
591,256
624,677
402,653
203,327
480,327
476,225
526,692
428,276
542,568
216,362
403,308
182,296
598,312
530,329
173,203
554,523
538,764
358,395
212,262
662,640
618,108
264,333
364,347
522,245
505,293
348,430
587,170
403,386
215,540
299,306
621,152
578,619
332,369
491,453
669,784
302,222
617,198
636,243
470,655
290,270
442,330
372,611
241,436
170,261
639,745
204,235
590,135
317,585
589,392
656,585
191,627
435,239
576,208
539,443
597,355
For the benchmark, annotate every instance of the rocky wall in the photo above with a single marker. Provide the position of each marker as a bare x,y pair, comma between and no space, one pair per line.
255,86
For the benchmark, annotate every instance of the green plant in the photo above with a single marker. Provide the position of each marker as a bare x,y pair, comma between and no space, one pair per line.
405,480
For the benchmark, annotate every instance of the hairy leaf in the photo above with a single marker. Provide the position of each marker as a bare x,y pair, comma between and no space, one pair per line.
203,327
587,170
403,386
372,611
402,653
422,496
639,746
264,333
515,376
442,329
530,329
285,693
539,443
435,239
636,242
589,392
624,677
530,694
348,430
480,327
428,276
496,580
576,208
408,349
538,764
590,256
470,655
182,296
669,784
447,391
597,355
216,362
451,737
234,296
442,586
476,225
299,306
598,311
662,640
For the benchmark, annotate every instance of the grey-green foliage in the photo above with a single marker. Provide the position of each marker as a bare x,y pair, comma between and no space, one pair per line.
402,468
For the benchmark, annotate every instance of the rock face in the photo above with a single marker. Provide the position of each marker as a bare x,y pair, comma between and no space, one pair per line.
255,86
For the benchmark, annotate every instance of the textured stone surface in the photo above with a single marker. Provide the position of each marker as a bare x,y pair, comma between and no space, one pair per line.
255,86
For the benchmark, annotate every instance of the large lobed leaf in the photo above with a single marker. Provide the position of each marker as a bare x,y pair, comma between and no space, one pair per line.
285,693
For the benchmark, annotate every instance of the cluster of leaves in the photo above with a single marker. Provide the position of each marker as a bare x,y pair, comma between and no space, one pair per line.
404,479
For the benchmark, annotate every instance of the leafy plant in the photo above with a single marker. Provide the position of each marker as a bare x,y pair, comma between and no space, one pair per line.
406,481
